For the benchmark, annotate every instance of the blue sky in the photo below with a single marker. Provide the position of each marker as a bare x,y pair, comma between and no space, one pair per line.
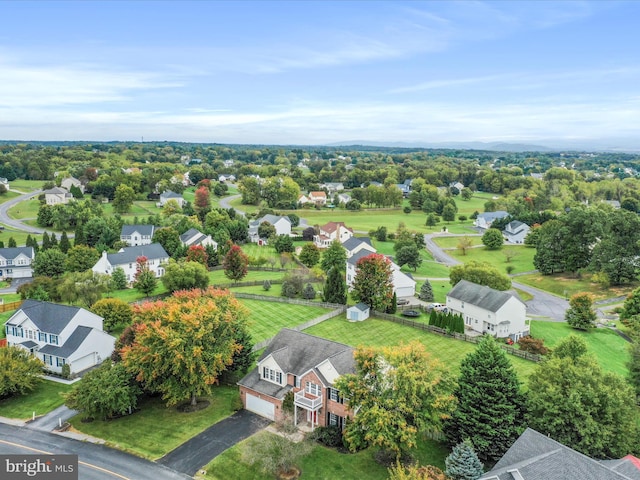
301,72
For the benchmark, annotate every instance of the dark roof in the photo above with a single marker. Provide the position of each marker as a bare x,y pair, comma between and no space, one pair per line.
480,295
170,194
141,229
363,307
13,252
493,215
535,456
353,242
629,466
298,353
48,317
55,191
70,346
29,344
152,251
252,380
192,232
353,259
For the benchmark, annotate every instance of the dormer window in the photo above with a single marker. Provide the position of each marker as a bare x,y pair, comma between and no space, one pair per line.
272,375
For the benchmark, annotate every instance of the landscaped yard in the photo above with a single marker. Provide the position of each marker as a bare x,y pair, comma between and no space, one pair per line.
377,332
44,398
267,318
522,261
217,277
609,348
565,286
155,429
323,463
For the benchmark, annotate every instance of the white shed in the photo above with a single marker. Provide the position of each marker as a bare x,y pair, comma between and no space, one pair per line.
358,312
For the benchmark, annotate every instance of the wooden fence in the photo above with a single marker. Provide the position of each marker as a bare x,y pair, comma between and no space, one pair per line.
458,336
5,307
291,301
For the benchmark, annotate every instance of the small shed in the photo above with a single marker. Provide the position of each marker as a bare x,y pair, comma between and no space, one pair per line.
358,312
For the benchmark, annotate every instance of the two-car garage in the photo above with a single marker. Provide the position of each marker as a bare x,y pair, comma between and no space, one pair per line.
261,407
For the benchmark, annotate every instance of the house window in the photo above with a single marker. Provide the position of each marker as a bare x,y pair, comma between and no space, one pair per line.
296,381
53,339
272,375
312,389
42,337
335,420
31,334
60,361
334,395
48,359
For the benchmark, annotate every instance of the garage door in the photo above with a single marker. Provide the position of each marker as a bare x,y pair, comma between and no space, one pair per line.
261,407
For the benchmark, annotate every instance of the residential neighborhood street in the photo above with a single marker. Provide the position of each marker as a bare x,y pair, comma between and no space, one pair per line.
4,217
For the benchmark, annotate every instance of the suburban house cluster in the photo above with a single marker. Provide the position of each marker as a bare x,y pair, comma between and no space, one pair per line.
59,335
282,224
515,231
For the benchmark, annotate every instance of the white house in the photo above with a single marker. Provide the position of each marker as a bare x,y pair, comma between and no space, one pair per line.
302,199
485,310
354,244
330,232
358,312
319,198
226,178
56,196
484,220
403,285
59,335
126,259
134,235
69,182
169,195
516,231
195,237
15,262
457,185
280,222
333,187
344,198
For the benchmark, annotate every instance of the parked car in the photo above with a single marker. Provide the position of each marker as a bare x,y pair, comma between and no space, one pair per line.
438,307
402,301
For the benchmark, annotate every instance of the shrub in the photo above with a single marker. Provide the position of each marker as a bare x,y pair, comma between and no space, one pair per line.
329,436
533,345
266,285
66,371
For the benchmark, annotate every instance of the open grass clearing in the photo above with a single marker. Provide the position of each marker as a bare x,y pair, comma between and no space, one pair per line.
609,348
522,261
6,196
428,269
155,429
452,242
25,209
217,277
268,318
26,186
323,463
18,235
44,398
566,286
378,333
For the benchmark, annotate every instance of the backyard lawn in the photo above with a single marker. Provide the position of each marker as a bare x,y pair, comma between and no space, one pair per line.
522,261
25,186
44,398
323,463
608,347
452,242
428,269
155,429
565,286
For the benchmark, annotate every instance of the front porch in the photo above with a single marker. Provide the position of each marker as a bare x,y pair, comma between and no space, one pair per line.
309,404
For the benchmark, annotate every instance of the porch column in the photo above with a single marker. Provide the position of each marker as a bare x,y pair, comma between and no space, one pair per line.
295,414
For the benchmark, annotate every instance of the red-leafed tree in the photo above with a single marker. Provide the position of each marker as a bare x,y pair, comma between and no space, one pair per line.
373,283
235,264
197,253
145,280
202,201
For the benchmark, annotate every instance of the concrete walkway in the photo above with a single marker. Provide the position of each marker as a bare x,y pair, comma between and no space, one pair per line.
53,419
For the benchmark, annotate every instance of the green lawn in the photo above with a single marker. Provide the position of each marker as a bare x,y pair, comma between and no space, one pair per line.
452,242
140,209
4,316
44,398
609,348
565,286
323,463
267,318
155,429
131,295
25,209
428,269
379,333
217,277
26,185
6,196
523,261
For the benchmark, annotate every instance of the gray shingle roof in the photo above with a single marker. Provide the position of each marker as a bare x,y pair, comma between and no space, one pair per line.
353,242
493,215
536,456
13,252
170,194
141,229
152,251
29,344
480,295
70,346
48,317
353,259
363,307
55,191
189,234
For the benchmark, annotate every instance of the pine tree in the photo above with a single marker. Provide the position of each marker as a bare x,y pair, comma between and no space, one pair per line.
426,292
12,242
64,245
335,289
490,410
79,236
433,317
393,306
463,463
54,241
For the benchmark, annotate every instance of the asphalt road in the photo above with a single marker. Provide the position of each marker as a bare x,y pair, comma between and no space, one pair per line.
225,203
97,462
4,218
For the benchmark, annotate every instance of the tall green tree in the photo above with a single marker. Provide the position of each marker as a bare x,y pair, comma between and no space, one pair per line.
123,199
169,238
309,255
549,256
409,255
81,258
185,275
335,256
65,244
235,264
426,292
49,263
115,313
183,344
398,392
83,288
284,243
575,402
20,372
492,239
490,411
580,314
373,283
335,288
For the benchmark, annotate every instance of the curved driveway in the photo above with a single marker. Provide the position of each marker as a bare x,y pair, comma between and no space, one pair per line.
542,304
18,225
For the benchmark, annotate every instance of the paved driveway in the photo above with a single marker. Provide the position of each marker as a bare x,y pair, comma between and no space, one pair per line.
192,455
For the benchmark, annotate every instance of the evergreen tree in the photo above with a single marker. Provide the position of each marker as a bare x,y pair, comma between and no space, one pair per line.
54,241
79,236
426,292
46,241
634,366
335,289
119,279
1,244
309,293
64,245
393,306
490,404
12,242
433,317
463,463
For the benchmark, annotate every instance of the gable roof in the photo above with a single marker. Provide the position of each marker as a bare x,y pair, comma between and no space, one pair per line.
333,226
48,317
354,242
363,307
353,259
318,194
192,233
170,194
141,229
273,219
493,215
55,191
536,456
13,252
70,346
480,295
152,251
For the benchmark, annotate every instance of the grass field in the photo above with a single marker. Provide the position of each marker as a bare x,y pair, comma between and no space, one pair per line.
323,463
522,262
564,286
6,196
452,242
379,333
428,269
25,209
267,318
155,429
217,277
44,398
18,235
608,347
26,185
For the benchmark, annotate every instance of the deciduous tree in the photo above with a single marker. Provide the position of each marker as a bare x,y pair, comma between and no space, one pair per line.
284,243
481,273
50,263
81,258
123,199
145,280
20,372
115,313
198,254
169,238
409,255
83,288
334,257
309,255
235,264
373,284
185,275
464,244
580,314
492,239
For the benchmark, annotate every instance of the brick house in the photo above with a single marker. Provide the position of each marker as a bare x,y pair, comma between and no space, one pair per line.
303,364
